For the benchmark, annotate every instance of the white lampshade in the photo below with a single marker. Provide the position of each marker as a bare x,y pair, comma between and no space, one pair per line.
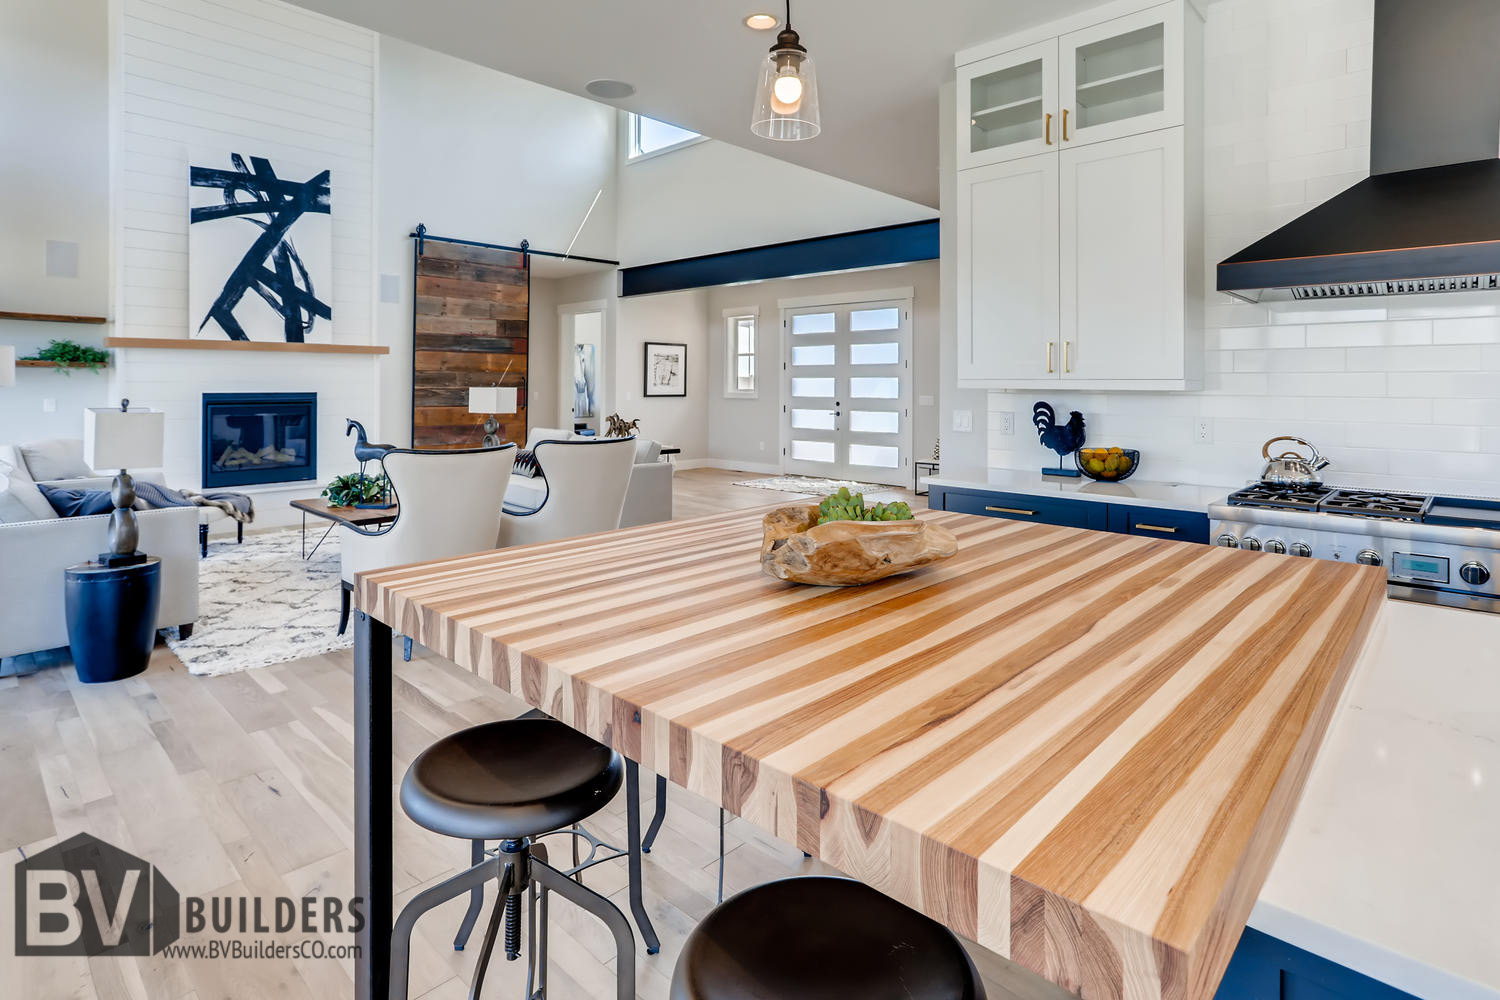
493,399
7,365
123,439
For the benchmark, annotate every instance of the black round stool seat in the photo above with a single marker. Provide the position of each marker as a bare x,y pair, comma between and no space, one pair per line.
818,938
511,779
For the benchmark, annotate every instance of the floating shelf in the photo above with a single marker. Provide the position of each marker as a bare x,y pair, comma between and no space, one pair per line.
52,317
24,363
186,344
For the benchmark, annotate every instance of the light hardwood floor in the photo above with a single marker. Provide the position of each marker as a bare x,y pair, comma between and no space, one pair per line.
242,784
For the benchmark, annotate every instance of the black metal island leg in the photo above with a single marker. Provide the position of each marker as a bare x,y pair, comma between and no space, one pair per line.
372,804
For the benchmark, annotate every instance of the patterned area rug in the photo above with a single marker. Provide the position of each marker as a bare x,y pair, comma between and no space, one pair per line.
807,484
259,603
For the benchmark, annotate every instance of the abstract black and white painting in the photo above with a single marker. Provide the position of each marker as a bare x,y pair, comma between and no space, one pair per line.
259,250
585,380
666,369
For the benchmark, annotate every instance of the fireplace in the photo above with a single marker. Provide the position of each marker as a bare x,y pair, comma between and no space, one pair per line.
259,437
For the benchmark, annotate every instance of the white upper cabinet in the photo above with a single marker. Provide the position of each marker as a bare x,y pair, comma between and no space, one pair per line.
1122,77
1079,214
1007,105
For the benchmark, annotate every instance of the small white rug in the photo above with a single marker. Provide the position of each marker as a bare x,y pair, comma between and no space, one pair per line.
259,603
808,484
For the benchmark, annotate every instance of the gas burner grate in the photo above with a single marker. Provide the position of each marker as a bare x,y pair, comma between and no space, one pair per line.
1377,503
1283,497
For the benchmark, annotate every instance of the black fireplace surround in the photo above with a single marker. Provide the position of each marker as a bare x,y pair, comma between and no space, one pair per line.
259,437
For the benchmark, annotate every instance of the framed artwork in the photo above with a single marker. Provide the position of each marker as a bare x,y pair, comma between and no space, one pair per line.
585,381
666,369
260,249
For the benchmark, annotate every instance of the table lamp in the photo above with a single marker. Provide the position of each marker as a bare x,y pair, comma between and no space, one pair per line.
117,439
490,400
7,365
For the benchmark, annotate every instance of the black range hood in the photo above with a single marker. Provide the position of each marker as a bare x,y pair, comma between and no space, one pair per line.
1427,219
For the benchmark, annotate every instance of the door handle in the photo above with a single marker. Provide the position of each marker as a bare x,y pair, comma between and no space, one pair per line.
1065,124
1048,128
1049,357
1013,510
1067,351
1156,527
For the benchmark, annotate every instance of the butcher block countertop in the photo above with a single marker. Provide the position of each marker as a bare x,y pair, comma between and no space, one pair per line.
1079,749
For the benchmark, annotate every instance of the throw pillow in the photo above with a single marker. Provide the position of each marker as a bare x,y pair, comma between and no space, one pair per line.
646,451
77,503
55,458
525,464
11,507
16,482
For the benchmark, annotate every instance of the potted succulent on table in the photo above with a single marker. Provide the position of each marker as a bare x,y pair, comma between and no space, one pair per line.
354,489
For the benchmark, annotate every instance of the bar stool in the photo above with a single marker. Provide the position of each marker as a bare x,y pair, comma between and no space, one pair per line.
821,938
512,781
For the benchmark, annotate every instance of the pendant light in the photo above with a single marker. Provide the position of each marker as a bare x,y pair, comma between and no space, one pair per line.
786,100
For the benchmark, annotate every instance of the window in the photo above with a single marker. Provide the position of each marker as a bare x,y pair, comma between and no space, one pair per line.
648,136
739,354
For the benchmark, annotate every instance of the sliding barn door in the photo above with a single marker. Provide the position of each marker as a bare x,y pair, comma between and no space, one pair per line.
472,308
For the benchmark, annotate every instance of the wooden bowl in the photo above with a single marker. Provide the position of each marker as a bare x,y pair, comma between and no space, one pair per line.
847,553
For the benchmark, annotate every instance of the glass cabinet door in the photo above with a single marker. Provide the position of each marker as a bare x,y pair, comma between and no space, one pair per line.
1122,77
1007,105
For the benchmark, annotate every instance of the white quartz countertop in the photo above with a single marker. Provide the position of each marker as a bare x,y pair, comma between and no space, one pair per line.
1135,492
1391,866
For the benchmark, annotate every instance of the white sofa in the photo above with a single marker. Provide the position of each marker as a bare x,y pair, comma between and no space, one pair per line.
647,500
36,546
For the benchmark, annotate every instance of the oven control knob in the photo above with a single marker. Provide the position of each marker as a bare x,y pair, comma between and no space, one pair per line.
1250,542
1474,574
1277,546
1227,541
1369,557
1300,549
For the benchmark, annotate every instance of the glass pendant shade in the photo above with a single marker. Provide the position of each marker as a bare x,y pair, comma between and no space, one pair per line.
786,99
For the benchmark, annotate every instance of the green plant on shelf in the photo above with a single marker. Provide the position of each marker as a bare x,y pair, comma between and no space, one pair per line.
354,488
846,506
69,354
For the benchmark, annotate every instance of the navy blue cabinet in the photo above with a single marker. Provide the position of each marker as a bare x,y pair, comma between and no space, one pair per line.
1265,968
1187,526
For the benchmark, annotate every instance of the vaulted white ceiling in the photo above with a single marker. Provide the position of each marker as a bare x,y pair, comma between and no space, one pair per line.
693,63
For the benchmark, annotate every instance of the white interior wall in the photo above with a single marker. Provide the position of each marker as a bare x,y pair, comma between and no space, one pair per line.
674,318
1392,386
54,185
711,196
477,154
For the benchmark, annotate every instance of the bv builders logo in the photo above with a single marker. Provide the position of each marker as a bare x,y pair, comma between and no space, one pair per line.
86,897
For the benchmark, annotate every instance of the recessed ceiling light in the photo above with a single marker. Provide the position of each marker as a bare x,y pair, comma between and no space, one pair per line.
761,22
609,90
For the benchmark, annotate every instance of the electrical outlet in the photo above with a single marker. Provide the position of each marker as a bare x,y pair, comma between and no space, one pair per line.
1205,430
1007,424
963,420
49,405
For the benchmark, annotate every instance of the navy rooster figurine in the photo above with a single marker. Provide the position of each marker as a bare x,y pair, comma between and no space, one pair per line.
1064,439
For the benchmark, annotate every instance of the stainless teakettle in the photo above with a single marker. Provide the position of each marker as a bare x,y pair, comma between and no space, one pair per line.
1291,469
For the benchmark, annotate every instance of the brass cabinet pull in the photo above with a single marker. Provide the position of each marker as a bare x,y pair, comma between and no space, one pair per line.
1156,527
1049,128
1049,357
1065,124
1067,351
1017,510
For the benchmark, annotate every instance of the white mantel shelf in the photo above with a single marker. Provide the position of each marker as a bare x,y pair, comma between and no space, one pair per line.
185,344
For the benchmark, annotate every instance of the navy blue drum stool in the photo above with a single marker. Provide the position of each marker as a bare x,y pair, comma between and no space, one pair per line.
112,618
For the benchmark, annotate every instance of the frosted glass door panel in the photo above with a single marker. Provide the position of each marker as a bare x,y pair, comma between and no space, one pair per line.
812,354
874,354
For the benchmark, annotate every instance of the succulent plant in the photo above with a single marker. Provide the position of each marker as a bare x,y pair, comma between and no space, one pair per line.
846,506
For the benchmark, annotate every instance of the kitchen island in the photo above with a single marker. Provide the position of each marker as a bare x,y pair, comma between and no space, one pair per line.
1080,750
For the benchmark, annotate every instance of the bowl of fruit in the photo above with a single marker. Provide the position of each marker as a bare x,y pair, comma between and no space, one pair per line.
844,542
1107,465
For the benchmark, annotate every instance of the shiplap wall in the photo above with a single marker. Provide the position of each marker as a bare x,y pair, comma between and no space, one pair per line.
257,77
1404,387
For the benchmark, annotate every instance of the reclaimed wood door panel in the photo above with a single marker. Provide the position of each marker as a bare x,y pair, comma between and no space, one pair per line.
471,324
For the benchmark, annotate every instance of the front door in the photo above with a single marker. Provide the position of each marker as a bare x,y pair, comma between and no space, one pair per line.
847,398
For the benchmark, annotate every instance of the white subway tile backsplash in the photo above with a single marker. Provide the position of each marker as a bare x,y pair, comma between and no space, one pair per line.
1246,338
1470,330
1413,359
1369,334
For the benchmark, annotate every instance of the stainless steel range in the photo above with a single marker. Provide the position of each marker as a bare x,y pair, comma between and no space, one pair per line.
1435,549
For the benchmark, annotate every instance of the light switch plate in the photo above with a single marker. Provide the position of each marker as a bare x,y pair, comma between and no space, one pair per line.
963,420
62,259
49,405
390,288
924,400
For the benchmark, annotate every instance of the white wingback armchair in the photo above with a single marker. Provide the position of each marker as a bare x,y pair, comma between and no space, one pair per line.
586,481
450,506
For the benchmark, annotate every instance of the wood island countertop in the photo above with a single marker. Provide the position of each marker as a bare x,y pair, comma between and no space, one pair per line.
1079,749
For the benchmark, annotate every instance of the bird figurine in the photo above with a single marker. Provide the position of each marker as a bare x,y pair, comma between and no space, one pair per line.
1063,439
364,452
